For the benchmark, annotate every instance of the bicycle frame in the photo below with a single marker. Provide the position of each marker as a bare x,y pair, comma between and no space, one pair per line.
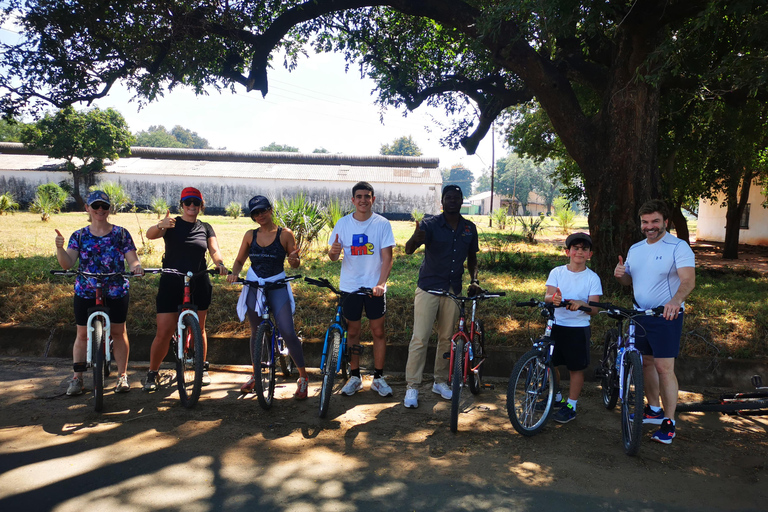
338,323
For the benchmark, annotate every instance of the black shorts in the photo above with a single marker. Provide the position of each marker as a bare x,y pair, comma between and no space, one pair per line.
375,307
118,309
170,294
571,347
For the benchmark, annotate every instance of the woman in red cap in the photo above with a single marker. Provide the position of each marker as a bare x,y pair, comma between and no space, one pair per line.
186,242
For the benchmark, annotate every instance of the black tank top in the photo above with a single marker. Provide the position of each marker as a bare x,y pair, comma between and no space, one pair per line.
267,261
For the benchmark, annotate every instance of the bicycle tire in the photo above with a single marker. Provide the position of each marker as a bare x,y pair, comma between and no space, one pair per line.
189,369
263,365
530,393
456,382
632,404
724,406
97,353
475,379
108,364
610,379
333,343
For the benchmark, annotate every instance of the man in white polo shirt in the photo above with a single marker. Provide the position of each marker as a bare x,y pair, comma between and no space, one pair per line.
661,269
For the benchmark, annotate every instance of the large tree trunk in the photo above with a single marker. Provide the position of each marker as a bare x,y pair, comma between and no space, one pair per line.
736,201
680,224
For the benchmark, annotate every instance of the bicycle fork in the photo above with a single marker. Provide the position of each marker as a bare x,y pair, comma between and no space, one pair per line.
107,337
183,342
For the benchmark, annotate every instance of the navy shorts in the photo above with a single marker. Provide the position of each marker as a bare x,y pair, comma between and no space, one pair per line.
375,307
118,309
170,294
571,347
658,337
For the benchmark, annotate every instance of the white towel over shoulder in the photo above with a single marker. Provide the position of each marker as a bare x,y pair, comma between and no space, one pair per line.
242,306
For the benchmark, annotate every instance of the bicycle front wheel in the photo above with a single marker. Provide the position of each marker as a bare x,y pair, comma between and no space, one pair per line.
97,352
530,393
108,364
632,403
263,365
475,378
610,375
189,369
331,353
458,377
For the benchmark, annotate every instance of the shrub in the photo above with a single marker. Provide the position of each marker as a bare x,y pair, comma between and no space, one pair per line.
531,227
302,216
334,211
234,210
417,215
564,215
159,206
8,203
500,217
49,199
118,197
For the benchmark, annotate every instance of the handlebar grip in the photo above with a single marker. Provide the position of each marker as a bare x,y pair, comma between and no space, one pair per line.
317,282
601,305
585,309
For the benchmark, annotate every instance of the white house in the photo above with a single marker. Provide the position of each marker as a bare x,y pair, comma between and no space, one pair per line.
754,222
401,183
536,203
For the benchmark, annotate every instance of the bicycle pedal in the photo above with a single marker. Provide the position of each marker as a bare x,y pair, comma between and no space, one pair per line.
489,386
447,355
757,381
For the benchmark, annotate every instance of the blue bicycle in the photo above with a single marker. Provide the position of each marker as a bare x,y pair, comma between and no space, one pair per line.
267,347
335,356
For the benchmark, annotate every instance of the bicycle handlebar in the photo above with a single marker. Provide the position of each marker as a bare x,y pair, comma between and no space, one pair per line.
173,271
480,296
628,313
91,274
267,285
325,283
541,304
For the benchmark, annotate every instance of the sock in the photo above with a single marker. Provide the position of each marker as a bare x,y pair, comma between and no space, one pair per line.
355,373
572,403
654,408
377,373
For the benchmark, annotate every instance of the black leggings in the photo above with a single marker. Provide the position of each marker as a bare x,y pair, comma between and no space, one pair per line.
280,305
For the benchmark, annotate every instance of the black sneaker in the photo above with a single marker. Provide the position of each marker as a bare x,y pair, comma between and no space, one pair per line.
565,414
151,384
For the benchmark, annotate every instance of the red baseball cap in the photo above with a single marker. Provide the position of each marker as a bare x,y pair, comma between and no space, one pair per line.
191,192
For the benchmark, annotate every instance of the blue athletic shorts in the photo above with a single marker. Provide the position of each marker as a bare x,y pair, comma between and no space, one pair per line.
657,337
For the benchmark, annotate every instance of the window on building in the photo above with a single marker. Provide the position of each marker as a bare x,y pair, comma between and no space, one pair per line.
744,224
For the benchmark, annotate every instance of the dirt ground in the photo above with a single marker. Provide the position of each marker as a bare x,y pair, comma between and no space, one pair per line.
146,452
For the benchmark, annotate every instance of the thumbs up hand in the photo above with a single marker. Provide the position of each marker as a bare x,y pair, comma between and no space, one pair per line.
620,269
293,258
167,222
557,298
335,250
419,235
59,239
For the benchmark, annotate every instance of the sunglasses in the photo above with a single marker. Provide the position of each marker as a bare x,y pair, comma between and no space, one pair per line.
259,212
192,202
100,206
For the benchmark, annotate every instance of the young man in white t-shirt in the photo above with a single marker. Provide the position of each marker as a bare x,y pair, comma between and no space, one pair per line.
366,239
661,270
578,285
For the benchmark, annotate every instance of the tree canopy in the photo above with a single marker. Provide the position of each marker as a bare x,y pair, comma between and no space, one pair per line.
84,139
596,68
402,146
178,137
460,176
284,148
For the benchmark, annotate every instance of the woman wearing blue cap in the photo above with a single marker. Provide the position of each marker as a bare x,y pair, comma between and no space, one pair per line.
104,248
267,247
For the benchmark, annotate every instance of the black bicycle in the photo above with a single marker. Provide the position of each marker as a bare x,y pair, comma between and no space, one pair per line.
750,403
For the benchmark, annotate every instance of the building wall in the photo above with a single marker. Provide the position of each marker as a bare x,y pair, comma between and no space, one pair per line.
23,184
711,221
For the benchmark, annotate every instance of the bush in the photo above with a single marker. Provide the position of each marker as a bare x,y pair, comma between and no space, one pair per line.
159,206
417,215
564,215
234,210
334,211
500,217
8,203
302,216
118,197
49,199
531,227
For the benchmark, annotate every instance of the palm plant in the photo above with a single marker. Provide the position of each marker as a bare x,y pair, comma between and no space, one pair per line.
564,215
159,206
334,211
118,197
8,203
302,216
234,210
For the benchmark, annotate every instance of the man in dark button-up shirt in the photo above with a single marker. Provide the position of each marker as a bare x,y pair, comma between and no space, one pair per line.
449,239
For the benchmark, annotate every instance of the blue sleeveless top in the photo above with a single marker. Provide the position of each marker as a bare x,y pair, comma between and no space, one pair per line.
270,260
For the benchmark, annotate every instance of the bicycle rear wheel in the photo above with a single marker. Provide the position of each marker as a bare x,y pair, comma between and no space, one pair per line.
610,375
263,365
189,369
331,354
456,382
97,353
530,393
475,378
632,403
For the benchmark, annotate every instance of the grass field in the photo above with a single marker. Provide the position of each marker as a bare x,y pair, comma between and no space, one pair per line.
727,315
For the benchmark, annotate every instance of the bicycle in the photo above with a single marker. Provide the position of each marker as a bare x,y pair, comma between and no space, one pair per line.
99,353
335,356
467,353
187,341
267,347
621,371
531,388
753,403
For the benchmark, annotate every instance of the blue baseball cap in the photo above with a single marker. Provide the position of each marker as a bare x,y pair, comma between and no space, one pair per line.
96,196
258,203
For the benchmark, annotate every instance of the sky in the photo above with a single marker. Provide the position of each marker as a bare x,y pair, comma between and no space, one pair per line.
317,105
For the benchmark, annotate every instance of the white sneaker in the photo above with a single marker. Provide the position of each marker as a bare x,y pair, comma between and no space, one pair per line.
206,379
75,387
411,398
442,389
353,385
381,387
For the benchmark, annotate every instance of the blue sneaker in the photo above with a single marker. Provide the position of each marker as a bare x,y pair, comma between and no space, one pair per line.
666,433
650,417
565,414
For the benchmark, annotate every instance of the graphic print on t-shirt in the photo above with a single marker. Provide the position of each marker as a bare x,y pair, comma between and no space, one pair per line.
361,246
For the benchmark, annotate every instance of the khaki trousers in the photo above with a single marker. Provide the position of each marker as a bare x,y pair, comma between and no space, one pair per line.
427,307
